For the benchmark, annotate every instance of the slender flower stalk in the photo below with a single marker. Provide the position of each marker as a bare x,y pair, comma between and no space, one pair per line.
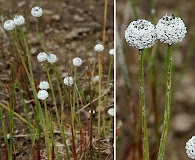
142,105
99,48
170,30
167,103
141,34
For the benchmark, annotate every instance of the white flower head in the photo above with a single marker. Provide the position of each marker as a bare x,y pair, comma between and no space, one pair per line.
36,11
9,25
19,20
190,147
42,94
77,61
44,85
51,58
99,48
111,111
170,29
96,79
42,56
140,34
68,81
111,52
91,111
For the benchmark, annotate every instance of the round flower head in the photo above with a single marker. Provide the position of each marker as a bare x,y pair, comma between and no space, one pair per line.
19,20
42,56
68,81
170,29
9,25
140,34
99,48
111,52
77,61
51,58
42,94
36,12
111,111
190,148
44,85
96,79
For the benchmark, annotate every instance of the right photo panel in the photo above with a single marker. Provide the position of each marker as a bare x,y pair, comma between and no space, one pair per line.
155,80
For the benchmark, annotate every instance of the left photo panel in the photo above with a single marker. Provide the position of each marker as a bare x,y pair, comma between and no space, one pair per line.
57,80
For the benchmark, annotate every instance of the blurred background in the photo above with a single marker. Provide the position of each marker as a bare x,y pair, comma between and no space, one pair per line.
182,122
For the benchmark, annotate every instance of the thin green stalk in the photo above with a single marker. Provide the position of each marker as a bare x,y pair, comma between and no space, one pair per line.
73,115
99,100
153,3
72,125
30,78
167,104
107,86
46,132
30,127
58,77
134,9
3,127
142,106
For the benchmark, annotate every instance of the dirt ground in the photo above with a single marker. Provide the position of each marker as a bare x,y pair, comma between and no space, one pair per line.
183,99
69,29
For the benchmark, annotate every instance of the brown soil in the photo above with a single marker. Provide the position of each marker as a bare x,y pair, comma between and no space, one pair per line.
69,29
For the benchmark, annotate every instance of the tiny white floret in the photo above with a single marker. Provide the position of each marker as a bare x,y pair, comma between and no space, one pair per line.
19,20
51,58
99,48
44,85
77,61
42,94
111,52
42,56
68,81
36,11
111,111
9,25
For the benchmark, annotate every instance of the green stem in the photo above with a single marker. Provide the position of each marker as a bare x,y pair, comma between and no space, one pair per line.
134,9
167,104
142,106
99,101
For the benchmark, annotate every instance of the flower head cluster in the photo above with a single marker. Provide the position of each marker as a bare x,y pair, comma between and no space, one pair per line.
68,81
51,58
42,94
111,52
140,34
77,61
42,56
190,147
170,29
9,25
36,11
44,85
99,48
111,111
19,20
